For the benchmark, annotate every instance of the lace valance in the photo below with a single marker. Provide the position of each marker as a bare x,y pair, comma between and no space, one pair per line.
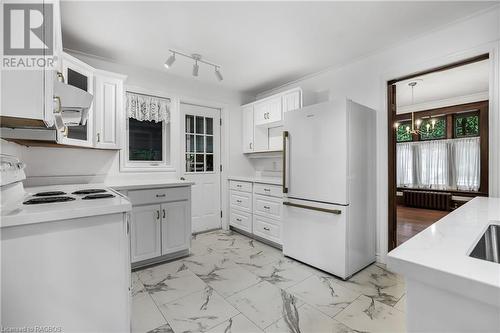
145,107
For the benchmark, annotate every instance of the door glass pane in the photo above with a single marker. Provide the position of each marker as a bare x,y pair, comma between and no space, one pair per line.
189,162
209,126
200,143
199,166
189,124
210,144
199,125
145,140
189,143
210,162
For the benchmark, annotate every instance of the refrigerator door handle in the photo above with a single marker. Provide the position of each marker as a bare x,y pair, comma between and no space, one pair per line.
285,137
325,210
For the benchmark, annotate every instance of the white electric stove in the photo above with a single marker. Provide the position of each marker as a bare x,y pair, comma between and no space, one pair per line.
65,259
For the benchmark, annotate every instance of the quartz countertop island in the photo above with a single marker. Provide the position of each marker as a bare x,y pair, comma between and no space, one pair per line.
448,290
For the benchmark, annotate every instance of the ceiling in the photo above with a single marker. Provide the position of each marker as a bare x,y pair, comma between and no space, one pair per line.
259,45
459,85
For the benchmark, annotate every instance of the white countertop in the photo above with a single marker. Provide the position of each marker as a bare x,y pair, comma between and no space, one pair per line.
16,213
134,184
439,255
260,180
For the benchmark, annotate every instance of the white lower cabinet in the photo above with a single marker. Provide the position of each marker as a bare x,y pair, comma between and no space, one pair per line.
161,224
256,208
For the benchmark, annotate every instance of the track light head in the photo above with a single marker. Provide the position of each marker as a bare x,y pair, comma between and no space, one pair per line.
170,61
218,75
196,67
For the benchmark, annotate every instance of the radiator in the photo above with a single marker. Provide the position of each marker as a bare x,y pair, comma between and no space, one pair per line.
427,199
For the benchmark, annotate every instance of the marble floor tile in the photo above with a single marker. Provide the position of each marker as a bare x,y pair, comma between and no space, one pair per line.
376,282
155,274
307,319
145,314
401,304
203,265
162,329
198,312
283,273
230,280
253,259
236,324
174,286
137,286
324,294
368,315
264,303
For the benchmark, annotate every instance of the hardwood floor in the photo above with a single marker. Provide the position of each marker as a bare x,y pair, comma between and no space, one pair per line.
410,221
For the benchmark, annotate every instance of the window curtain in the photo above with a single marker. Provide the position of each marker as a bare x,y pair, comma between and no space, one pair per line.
439,164
144,107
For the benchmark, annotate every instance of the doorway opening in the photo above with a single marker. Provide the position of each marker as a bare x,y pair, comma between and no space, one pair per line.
438,144
201,163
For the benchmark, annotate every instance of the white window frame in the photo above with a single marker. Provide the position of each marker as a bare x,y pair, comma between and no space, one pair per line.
127,165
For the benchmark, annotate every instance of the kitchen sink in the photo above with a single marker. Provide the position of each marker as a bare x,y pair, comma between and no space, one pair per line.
488,247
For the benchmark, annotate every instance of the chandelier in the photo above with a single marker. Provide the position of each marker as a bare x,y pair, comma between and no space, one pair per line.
414,127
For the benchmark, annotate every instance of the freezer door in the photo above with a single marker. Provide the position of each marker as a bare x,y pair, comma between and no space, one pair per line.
316,152
316,235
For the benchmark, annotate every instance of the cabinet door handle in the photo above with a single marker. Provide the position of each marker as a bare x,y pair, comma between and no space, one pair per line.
238,201
266,229
267,207
98,137
267,189
250,145
164,214
239,220
161,195
60,77
157,214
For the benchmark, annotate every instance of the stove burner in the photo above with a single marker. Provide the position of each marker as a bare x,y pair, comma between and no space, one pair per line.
49,193
90,191
98,196
36,201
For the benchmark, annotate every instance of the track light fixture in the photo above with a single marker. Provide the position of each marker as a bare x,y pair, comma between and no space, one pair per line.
197,58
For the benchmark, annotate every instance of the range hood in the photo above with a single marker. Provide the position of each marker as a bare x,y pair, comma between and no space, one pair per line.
71,108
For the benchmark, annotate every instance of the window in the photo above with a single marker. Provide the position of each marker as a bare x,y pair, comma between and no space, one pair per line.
401,134
145,141
147,134
199,144
466,125
439,131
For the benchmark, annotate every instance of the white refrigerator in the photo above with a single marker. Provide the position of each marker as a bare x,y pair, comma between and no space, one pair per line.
329,166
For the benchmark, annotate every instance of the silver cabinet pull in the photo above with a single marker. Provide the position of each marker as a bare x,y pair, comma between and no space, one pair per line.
325,210
239,220
60,77
267,207
250,145
239,185
161,195
267,190
164,214
266,229
238,201
157,214
98,137
285,137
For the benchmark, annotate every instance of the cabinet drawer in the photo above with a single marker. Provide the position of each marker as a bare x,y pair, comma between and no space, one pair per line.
240,186
265,228
266,189
139,197
241,220
267,206
241,200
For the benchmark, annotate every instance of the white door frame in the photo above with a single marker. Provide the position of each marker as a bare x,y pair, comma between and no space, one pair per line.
223,149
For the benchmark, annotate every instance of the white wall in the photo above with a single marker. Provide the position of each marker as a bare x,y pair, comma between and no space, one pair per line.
46,162
364,81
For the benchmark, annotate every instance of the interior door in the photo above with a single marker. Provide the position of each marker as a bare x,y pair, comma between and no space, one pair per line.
316,167
201,156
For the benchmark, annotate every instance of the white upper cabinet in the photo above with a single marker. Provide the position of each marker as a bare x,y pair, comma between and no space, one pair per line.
292,100
78,74
108,108
262,121
268,111
248,129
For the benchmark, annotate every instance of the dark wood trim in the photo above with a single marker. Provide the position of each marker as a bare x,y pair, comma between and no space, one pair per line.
484,135
462,108
454,192
391,142
391,189
443,68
